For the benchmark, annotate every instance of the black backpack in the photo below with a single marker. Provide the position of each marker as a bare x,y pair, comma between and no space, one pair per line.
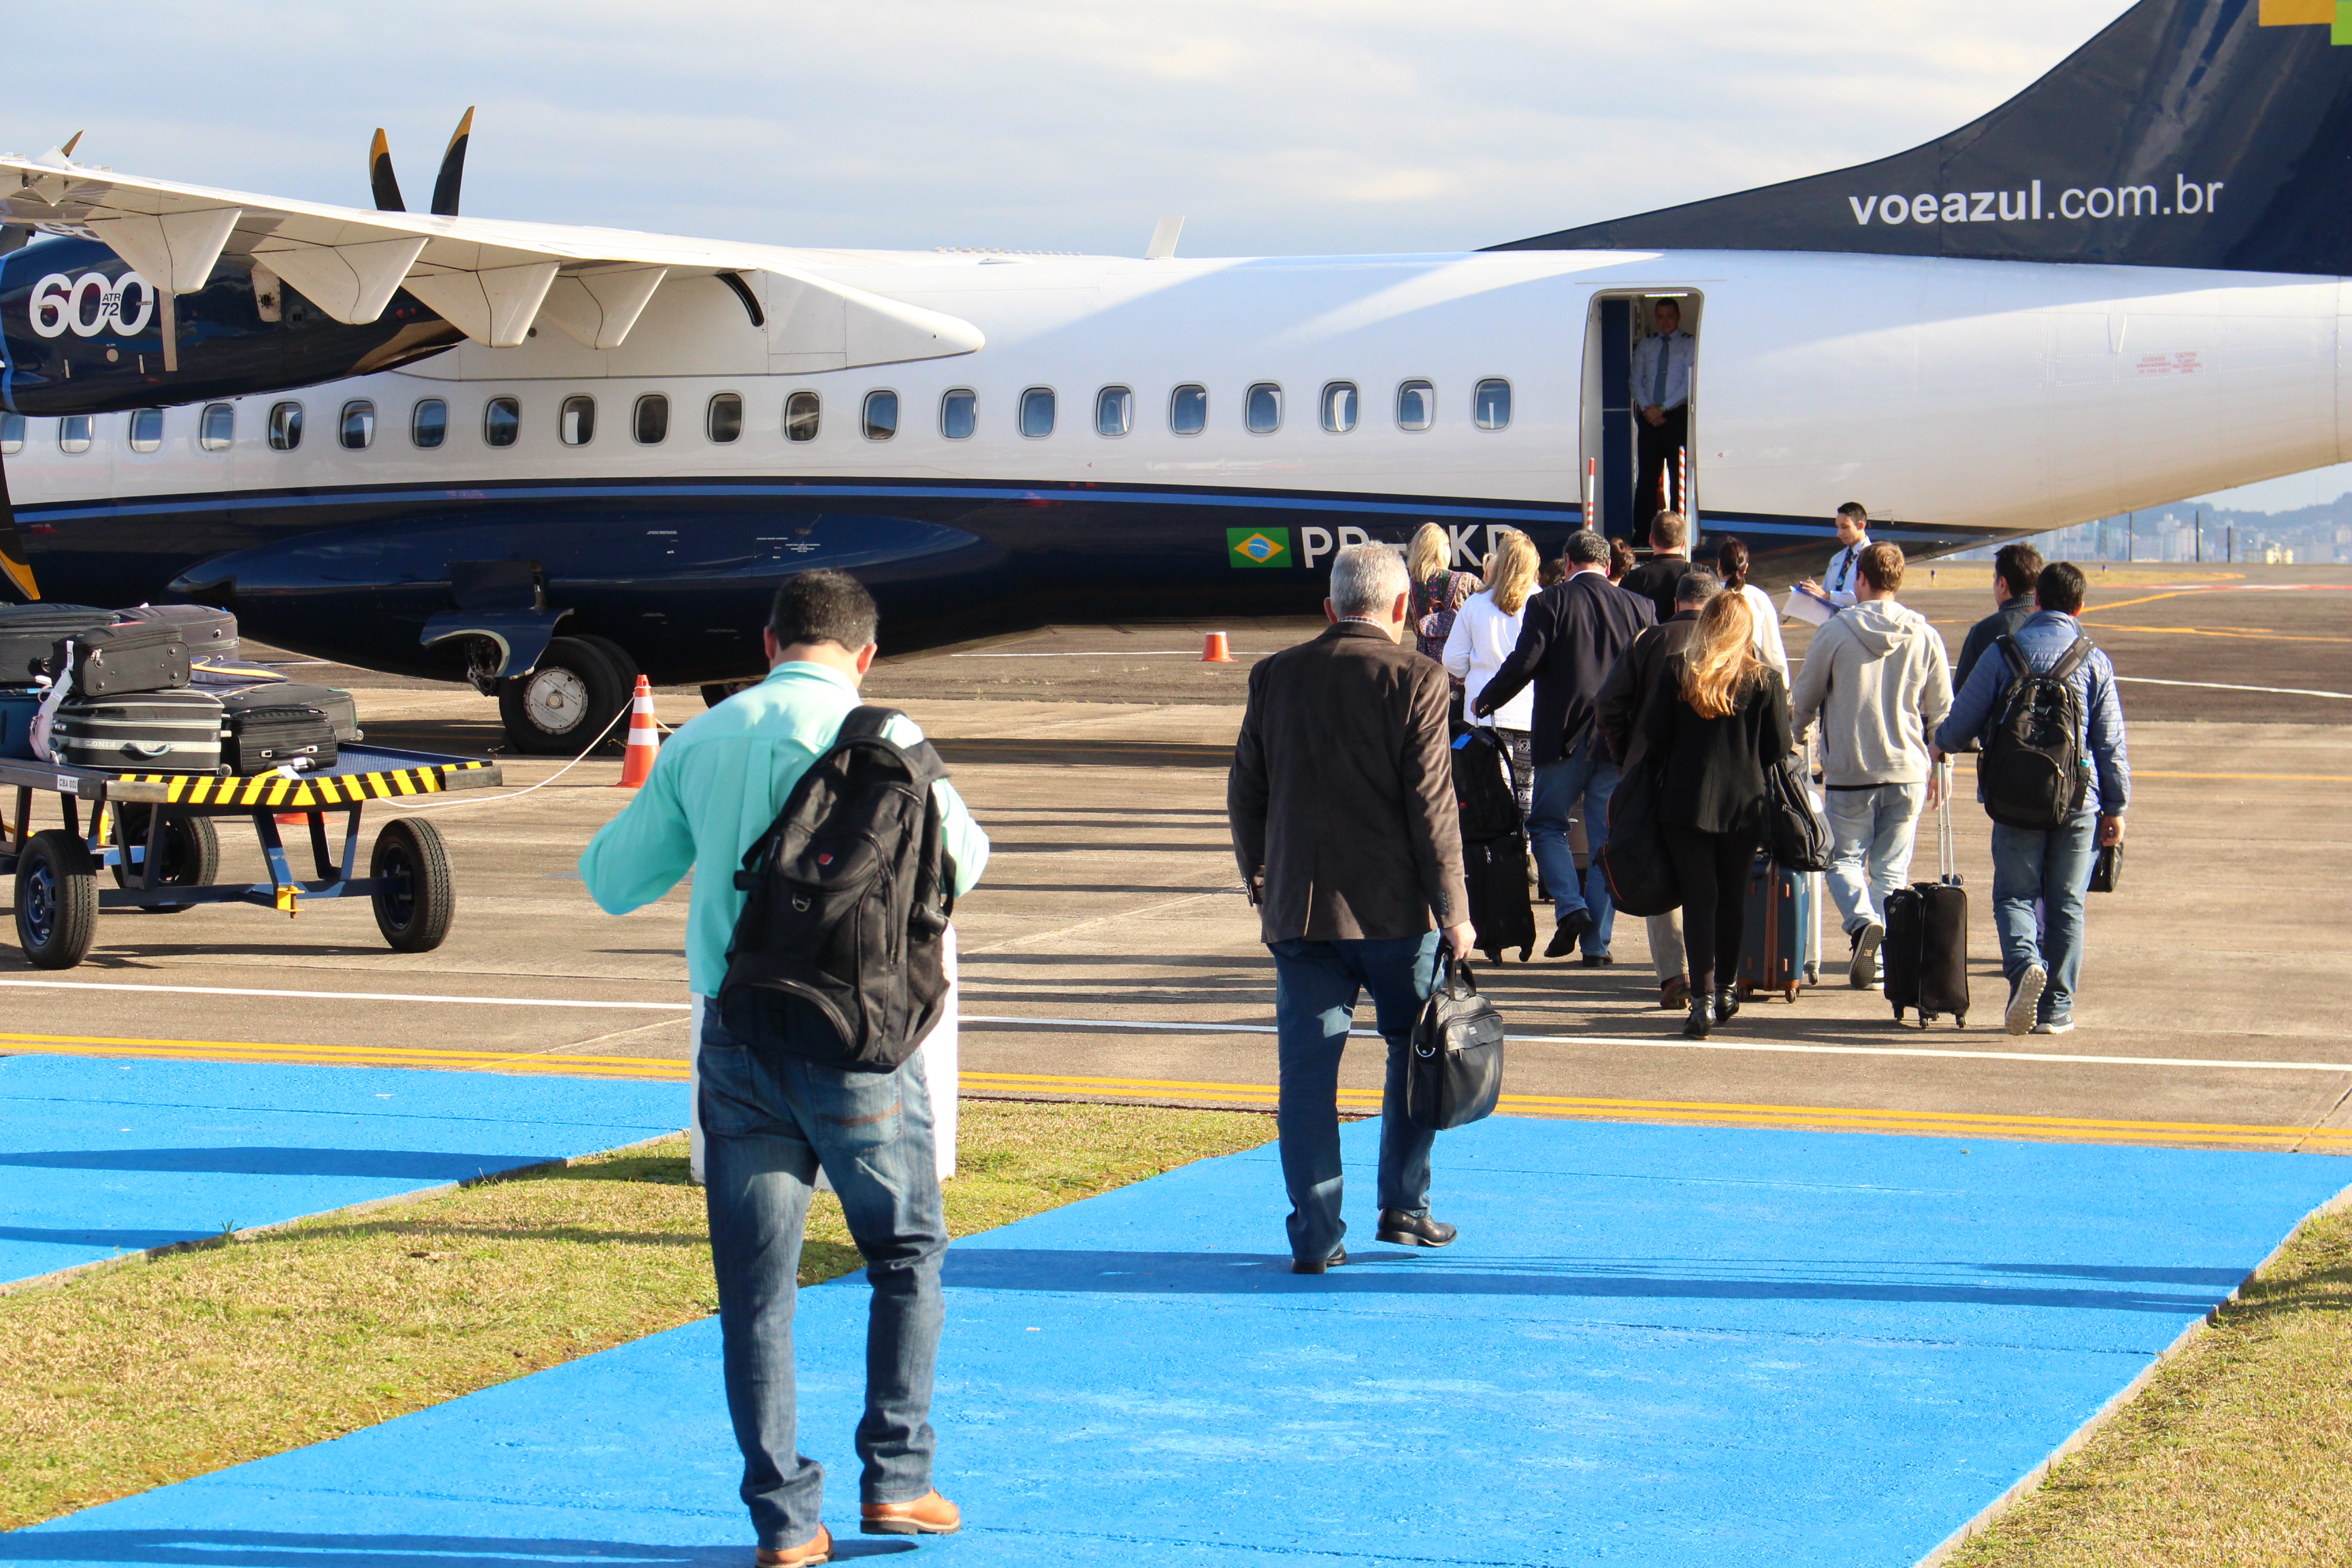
2033,772
839,957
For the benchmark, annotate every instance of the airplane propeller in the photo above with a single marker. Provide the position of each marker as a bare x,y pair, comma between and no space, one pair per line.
386,187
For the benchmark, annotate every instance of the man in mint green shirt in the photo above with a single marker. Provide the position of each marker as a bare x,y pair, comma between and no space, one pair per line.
770,1121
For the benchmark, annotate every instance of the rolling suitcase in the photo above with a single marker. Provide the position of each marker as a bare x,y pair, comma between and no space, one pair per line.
1925,959
209,632
17,708
116,661
1494,847
1778,930
342,713
29,633
142,733
260,739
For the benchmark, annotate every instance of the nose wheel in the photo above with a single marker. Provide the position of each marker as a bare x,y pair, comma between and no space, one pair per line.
577,688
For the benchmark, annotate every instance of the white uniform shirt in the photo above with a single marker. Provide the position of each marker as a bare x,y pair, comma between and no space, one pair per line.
1845,574
1482,639
1678,349
1769,647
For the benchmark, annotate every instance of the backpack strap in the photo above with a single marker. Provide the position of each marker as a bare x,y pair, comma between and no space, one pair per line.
2072,659
866,722
2020,666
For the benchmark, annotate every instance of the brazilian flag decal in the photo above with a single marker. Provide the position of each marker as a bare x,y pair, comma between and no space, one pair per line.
1257,546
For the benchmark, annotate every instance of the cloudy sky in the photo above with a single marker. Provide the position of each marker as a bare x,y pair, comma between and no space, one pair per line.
1274,126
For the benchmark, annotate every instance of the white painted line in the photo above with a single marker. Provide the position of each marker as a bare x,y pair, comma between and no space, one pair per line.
349,995
2216,686
1679,1043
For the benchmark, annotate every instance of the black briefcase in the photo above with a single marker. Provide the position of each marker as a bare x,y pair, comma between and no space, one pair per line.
263,740
123,661
1456,1071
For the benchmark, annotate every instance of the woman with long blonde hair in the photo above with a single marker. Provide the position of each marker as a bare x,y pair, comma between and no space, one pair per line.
1485,631
1438,591
1716,719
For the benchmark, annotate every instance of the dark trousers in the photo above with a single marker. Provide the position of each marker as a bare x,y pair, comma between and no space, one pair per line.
1713,868
1656,446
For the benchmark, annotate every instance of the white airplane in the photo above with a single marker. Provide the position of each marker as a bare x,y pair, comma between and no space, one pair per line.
547,458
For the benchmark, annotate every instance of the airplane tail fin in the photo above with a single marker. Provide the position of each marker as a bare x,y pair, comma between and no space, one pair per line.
2200,133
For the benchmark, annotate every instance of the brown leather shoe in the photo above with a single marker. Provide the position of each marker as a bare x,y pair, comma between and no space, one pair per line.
817,1551
929,1514
1674,992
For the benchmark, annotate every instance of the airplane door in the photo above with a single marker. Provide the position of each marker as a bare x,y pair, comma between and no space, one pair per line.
1614,328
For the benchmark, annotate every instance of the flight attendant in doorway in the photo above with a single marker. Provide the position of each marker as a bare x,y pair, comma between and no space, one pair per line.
1661,382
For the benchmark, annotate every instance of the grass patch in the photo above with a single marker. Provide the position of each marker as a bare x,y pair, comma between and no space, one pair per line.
2237,1455
128,1378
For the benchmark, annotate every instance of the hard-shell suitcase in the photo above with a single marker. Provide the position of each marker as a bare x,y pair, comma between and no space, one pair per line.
342,713
115,661
29,633
262,739
209,632
17,708
1778,928
1496,870
142,733
1925,960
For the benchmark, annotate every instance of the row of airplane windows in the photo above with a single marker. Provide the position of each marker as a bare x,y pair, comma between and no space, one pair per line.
722,420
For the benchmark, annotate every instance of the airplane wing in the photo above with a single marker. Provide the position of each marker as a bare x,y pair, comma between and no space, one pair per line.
491,280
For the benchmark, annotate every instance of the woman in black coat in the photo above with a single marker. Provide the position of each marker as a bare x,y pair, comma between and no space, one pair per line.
1718,718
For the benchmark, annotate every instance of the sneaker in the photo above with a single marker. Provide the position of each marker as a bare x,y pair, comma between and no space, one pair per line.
1862,973
2026,999
2062,1026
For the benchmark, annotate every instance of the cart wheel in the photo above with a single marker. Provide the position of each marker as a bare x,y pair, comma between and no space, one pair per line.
191,854
414,919
57,899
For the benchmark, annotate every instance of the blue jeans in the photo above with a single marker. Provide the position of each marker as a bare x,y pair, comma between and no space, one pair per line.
1315,984
1590,777
2052,870
768,1124
1871,832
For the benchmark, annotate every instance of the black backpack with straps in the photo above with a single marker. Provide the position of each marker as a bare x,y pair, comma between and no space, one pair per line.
839,956
2033,772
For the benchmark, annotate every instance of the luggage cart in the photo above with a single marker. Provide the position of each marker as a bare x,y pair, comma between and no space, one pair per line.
155,832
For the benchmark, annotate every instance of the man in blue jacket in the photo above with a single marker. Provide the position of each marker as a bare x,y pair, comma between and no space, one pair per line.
2044,961
771,1121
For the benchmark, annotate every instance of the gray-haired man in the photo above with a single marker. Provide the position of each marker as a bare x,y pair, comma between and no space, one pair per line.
1341,801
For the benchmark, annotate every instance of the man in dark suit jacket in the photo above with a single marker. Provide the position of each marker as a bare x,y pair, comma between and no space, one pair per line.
1569,639
1341,802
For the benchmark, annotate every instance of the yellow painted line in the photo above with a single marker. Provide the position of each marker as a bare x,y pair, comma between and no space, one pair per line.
348,1055
2210,632
2265,778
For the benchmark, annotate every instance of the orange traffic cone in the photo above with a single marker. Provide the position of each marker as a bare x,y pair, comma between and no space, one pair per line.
1215,651
645,739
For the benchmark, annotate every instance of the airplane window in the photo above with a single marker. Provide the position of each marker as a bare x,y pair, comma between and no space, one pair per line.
1416,405
1261,406
73,433
12,434
881,416
958,415
216,431
1114,411
502,422
429,423
1037,411
576,423
1339,407
146,429
1188,410
723,422
1492,403
651,426
357,431
800,417
285,426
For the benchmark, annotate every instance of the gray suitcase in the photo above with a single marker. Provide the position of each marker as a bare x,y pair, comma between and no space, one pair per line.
115,661
144,732
209,632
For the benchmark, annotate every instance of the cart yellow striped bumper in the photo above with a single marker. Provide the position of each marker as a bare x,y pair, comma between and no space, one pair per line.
275,791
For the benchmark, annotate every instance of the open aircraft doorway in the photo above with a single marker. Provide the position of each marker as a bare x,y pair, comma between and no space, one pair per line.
1617,323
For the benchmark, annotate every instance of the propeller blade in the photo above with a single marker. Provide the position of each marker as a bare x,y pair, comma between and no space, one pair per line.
71,142
380,177
14,566
452,169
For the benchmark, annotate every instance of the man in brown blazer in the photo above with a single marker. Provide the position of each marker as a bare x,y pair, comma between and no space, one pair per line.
1341,801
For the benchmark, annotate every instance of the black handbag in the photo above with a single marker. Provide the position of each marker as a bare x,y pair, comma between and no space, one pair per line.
2108,870
1641,879
1795,833
1456,1071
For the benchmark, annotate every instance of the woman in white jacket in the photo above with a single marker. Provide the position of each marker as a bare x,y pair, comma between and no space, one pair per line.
1731,560
1485,630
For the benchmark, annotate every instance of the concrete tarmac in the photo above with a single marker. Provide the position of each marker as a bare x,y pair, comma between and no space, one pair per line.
1109,953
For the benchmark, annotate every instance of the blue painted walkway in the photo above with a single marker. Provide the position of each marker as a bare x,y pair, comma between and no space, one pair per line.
99,1156
1654,1346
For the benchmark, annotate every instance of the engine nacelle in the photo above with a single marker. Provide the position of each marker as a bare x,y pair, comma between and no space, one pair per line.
86,334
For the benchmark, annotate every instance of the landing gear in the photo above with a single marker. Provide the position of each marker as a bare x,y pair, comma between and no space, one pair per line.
579,686
714,692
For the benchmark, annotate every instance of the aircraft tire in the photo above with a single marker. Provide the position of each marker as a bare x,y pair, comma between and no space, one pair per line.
415,920
567,699
57,899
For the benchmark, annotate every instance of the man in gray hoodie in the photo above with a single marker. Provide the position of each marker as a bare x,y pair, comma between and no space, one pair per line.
1879,680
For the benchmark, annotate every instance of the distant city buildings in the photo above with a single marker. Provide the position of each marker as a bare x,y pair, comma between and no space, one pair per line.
2187,532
